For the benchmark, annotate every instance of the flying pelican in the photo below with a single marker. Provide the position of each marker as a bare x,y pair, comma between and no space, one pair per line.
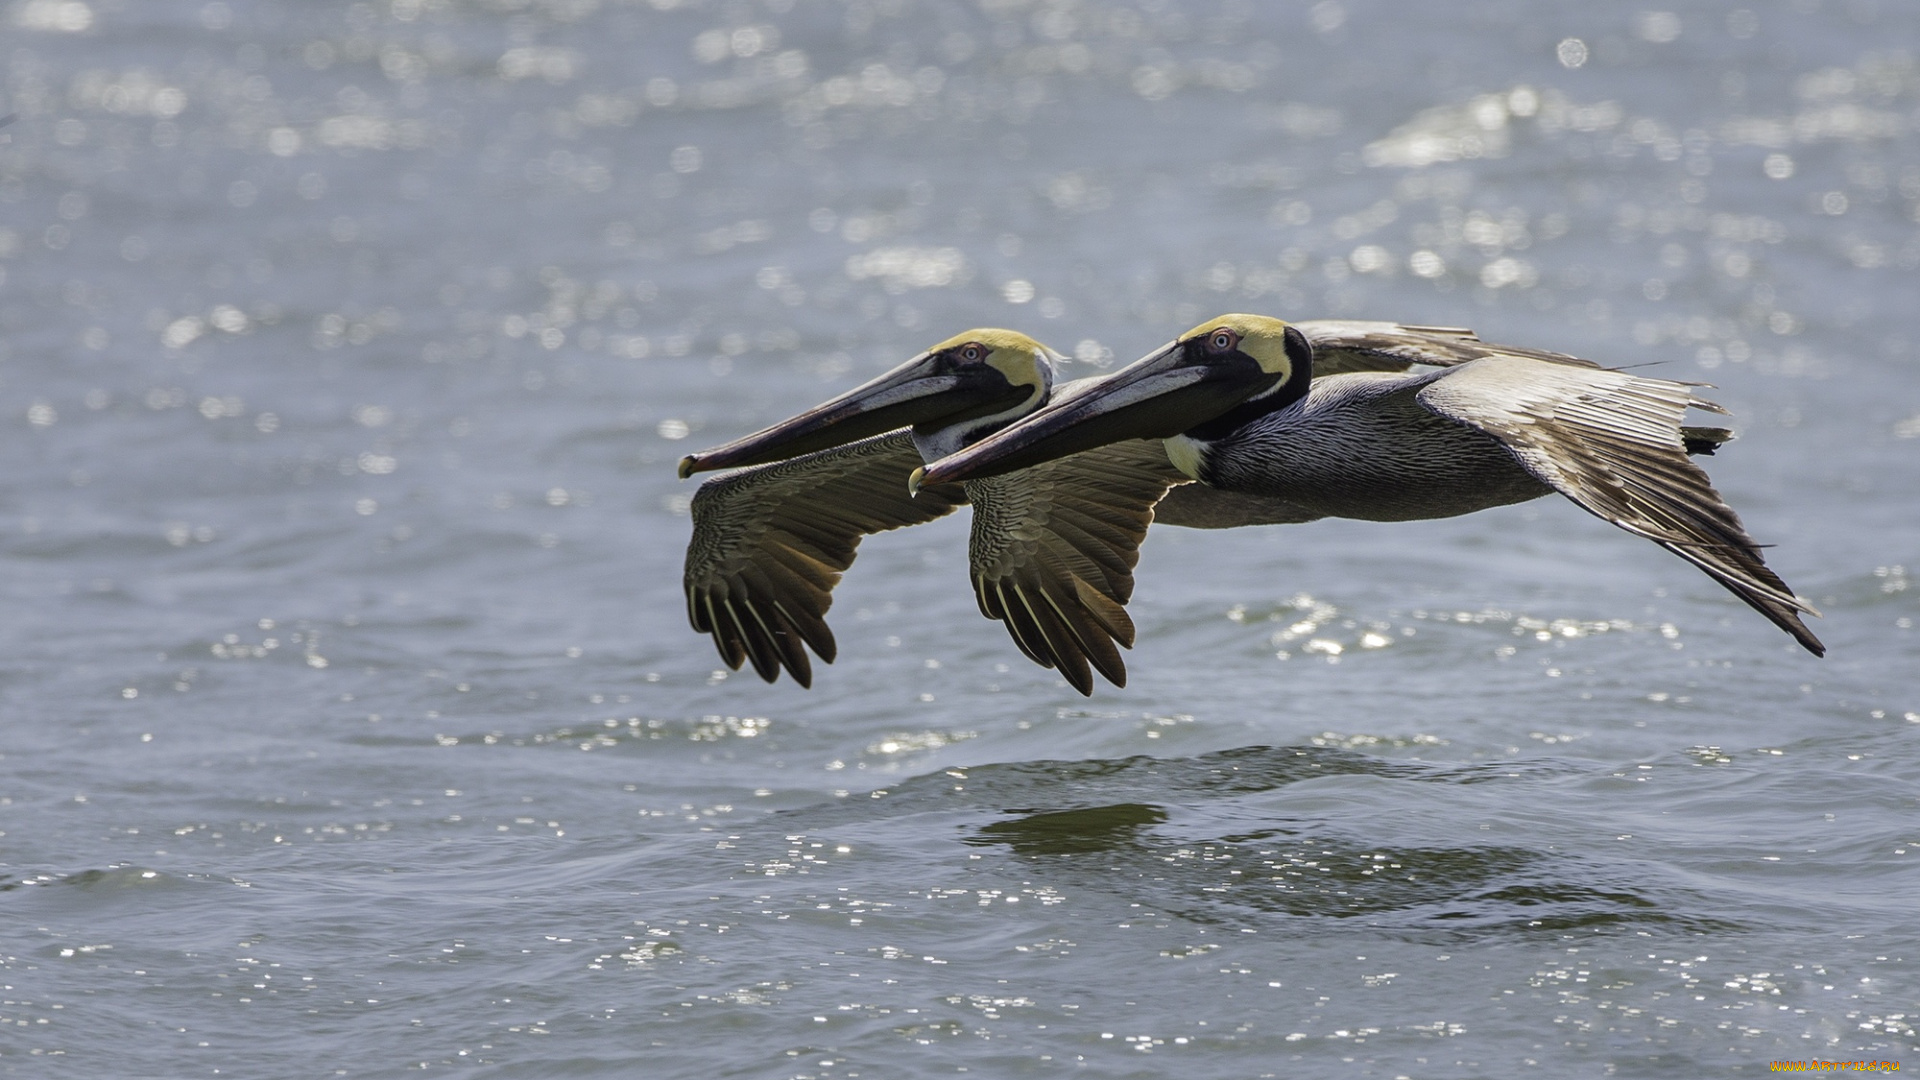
1052,548
1243,408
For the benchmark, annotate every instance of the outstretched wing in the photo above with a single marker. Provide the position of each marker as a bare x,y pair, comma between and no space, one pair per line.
1613,443
1053,552
1342,345
770,543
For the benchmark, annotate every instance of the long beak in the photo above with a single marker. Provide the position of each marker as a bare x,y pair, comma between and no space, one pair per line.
915,391
1156,397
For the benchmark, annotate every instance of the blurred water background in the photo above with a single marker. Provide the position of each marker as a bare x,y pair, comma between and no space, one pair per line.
352,725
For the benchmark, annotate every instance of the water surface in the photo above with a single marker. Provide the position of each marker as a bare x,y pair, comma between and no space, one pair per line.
351,720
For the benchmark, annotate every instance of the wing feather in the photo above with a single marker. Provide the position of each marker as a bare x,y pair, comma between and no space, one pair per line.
1020,624
757,638
1053,552
1613,443
1343,345
770,543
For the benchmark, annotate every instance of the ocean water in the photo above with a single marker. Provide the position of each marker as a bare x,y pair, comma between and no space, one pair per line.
350,723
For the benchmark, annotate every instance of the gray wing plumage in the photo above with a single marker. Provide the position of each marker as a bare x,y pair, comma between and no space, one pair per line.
1613,443
1343,345
1053,552
770,543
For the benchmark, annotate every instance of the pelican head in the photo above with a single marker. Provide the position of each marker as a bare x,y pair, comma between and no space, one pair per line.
953,393
1202,380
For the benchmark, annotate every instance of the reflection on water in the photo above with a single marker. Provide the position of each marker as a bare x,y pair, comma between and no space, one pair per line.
1174,858
1073,832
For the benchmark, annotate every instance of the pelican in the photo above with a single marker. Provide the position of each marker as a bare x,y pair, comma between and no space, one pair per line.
1052,548
1243,407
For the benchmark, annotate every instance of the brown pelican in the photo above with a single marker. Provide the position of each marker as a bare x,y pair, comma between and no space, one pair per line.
1052,549
1243,407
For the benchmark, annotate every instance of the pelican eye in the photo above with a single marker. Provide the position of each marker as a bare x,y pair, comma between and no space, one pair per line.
1222,340
973,352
